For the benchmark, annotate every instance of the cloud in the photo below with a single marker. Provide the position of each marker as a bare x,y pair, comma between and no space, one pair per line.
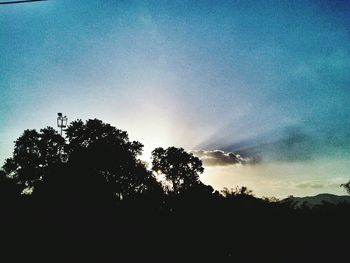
316,185
221,158
311,185
294,143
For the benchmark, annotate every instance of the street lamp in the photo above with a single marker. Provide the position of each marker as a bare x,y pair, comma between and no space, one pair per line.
61,121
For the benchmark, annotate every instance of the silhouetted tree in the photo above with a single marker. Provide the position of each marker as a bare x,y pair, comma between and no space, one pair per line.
238,191
34,152
107,151
182,169
271,199
346,187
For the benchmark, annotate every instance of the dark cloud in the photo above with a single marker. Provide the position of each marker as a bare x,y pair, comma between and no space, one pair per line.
292,143
221,158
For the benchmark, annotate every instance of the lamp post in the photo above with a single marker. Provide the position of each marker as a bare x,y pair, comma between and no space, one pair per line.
61,121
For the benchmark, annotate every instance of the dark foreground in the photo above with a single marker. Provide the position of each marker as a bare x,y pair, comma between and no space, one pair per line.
77,226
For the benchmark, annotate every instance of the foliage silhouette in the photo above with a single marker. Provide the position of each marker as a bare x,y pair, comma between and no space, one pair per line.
107,151
34,152
346,186
238,191
182,169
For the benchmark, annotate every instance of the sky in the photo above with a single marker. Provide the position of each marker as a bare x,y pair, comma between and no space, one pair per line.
260,90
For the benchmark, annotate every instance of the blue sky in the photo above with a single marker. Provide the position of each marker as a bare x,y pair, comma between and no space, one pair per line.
261,78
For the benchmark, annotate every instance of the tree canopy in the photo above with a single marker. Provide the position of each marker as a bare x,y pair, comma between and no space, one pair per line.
182,169
34,152
92,146
346,186
108,152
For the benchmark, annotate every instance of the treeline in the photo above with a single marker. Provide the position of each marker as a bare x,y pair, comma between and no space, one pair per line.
88,197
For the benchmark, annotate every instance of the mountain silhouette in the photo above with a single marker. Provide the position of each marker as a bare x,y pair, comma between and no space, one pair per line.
320,199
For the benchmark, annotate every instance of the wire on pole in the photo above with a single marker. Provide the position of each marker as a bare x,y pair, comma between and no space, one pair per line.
20,2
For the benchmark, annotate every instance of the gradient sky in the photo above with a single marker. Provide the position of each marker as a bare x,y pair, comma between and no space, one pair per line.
266,79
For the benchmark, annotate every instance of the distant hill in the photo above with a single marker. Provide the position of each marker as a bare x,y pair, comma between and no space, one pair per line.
320,199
